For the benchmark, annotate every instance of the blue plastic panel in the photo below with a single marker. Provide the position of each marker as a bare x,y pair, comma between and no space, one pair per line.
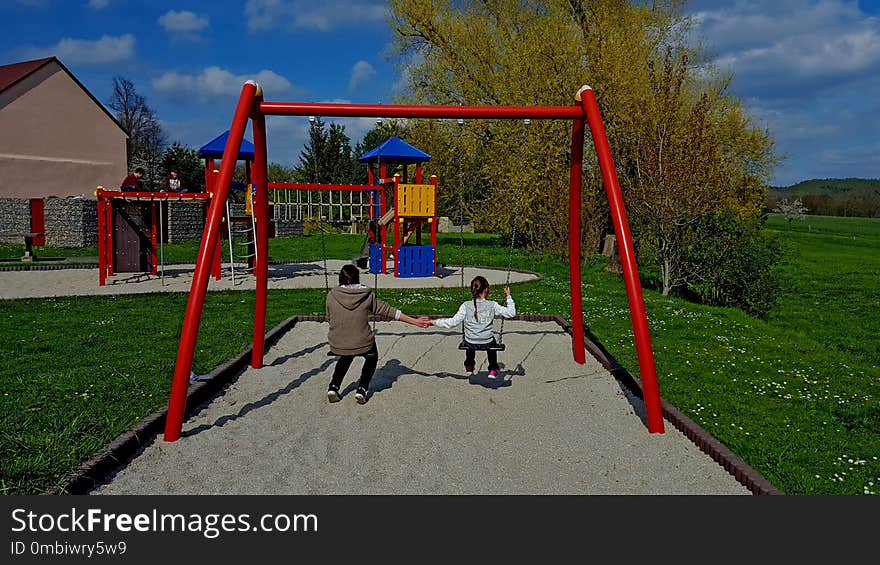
415,261
375,258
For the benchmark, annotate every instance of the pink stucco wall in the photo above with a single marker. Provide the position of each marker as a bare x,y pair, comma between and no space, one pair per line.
54,139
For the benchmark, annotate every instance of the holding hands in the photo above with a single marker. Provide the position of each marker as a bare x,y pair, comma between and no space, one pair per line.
421,321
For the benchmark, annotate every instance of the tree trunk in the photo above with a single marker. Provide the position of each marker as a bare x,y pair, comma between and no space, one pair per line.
667,276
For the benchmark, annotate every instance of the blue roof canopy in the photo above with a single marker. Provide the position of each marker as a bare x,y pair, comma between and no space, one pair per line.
215,147
395,150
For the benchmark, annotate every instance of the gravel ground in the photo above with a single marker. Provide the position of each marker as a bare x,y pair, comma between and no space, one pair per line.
547,426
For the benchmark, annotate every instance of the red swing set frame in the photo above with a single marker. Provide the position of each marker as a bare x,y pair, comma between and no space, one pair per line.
584,111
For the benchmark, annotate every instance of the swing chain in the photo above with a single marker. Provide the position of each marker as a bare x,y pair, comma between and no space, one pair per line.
527,122
381,245
324,253
320,212
461,210
460,202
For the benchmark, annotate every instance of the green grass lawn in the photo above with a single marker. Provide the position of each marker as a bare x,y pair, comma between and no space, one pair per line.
832,275
782,394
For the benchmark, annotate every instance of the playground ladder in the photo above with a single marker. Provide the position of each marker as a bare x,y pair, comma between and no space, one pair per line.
239,236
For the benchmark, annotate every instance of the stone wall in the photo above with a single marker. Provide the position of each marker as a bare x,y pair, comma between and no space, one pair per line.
288,228
186,220
450,225
15,219
71,222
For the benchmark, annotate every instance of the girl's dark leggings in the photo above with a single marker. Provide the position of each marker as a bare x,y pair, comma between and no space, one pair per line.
470,356
371,359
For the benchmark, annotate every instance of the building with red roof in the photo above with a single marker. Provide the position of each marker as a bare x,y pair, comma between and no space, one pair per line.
56,138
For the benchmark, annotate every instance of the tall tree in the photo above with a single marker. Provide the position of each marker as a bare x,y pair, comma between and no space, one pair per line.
327,157
186,161
146,140
682,144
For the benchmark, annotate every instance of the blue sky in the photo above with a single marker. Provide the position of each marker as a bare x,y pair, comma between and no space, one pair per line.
806,69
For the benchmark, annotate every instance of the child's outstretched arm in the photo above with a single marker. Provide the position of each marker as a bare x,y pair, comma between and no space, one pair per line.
508,311
453,321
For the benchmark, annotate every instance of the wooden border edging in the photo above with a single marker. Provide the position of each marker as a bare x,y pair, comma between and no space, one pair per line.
125,447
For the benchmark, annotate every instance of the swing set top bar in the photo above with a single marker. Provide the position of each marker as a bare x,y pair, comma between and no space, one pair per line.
404,111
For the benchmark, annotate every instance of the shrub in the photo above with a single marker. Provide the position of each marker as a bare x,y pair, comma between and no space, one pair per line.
732,262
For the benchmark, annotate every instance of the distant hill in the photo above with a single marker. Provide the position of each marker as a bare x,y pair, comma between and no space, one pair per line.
824,186
832,197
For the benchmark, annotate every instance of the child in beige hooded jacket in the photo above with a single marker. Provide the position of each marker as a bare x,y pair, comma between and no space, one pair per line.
348,309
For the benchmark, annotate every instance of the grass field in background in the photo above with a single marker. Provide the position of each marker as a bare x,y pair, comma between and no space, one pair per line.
795,396
833,282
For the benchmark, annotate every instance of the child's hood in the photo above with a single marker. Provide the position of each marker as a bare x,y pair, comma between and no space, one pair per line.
350,298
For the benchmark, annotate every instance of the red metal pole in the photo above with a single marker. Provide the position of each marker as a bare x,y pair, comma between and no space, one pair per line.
574,240
102,243
196,301
397,221
433,220
418,173
154,219
634,296
109,222
383,230
209,175
38,220
405,111
217,261
261,215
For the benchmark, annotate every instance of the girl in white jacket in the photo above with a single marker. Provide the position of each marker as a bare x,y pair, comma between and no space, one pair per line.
477,316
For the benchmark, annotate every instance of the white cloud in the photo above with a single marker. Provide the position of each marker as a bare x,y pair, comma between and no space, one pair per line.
361,73
307,14
102,51
98,4
214,82
806,70
788,44
183,22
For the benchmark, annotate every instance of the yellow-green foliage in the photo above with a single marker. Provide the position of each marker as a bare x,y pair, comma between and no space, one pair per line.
682,145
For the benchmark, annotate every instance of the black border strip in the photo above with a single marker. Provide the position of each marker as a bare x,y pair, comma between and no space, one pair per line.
48,267
128,445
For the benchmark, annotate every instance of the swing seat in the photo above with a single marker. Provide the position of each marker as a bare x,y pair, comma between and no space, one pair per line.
492,346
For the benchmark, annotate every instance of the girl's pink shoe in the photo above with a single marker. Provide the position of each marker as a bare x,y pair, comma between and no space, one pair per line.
493,374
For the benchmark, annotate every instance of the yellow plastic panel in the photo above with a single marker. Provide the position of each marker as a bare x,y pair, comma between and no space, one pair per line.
415,200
